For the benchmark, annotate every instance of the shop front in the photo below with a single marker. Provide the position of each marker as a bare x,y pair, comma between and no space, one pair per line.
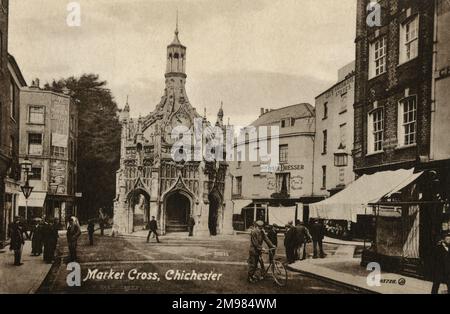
12,192
271,211
408,225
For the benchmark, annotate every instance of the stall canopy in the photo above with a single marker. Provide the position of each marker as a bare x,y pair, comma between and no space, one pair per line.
354,199
281,215
239,204
36,199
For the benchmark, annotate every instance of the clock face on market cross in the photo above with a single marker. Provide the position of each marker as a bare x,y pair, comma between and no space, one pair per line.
181,119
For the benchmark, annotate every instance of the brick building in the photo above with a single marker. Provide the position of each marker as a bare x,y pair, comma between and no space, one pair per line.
13,178
393,126
6,151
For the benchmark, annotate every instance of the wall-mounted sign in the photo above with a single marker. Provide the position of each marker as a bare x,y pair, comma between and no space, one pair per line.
296,183
444,72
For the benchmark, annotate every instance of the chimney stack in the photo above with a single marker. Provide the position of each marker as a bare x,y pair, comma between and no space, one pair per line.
262,111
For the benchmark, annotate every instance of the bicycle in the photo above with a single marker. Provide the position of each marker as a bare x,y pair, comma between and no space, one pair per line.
276,269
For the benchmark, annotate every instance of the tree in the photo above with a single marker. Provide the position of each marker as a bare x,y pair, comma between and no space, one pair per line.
99,133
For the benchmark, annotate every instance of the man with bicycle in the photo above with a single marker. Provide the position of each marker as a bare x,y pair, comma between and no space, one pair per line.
257,237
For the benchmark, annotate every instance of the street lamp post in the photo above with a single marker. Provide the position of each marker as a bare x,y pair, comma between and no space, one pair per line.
26,188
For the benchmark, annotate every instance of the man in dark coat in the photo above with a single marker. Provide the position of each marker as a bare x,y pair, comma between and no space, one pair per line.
257,238
152,228
303,236
36,239
272,234
290,242
73,233
317,230
50,240
191,224
441,269
17,240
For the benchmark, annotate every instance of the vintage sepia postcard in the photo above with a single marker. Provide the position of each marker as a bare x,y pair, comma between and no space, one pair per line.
245,147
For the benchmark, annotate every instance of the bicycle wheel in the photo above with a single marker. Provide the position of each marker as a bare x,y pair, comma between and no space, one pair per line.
279,273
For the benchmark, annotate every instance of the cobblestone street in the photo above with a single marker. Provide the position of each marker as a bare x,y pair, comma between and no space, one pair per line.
220,255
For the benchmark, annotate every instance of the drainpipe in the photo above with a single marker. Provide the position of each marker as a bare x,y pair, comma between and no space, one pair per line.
433,83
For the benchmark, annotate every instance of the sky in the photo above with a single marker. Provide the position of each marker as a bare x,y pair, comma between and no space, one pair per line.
247,54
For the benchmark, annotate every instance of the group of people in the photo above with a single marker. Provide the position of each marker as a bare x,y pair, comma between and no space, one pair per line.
295,240
44,239
297,237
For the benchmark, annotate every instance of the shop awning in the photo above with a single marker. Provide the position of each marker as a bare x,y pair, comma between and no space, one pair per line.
239,204
281,215
36,199
354,199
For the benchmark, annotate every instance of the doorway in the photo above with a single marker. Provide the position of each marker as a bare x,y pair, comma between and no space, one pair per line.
178,209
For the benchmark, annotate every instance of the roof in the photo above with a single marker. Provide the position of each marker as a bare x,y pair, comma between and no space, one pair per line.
17,71
303,110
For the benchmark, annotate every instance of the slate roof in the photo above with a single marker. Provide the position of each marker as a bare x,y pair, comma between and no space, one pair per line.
303,110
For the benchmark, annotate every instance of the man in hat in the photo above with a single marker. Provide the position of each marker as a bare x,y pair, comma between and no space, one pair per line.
73,233
152,228
317,234
303,236
17,241
257,237
290,242
272,234
441,269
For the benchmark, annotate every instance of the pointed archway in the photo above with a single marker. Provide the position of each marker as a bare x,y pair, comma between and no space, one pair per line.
139,208
177,207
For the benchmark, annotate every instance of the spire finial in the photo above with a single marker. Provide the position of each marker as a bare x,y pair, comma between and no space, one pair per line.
127,99
176,28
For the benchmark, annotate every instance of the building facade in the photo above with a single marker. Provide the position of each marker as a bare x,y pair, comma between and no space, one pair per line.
394,112
155,179
333,163
48,138
440,114
6,153
13,177
275,194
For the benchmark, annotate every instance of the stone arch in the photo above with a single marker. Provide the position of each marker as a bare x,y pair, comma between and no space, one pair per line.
178,206
138,201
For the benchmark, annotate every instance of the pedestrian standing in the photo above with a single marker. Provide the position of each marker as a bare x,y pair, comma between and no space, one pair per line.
191,224
36,239
17,240
101,220
303,236
91,229
272,234
51,240
290,243
73,233
441,269
153,228
317,235
257,238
